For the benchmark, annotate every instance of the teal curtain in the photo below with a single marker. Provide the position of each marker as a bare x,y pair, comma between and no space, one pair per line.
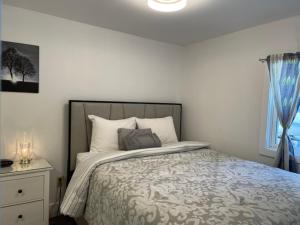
285,82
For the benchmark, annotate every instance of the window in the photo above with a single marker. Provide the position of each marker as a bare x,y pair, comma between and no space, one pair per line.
274,129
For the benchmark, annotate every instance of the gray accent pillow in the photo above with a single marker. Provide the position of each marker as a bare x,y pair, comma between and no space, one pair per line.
141,141
137,139
124,132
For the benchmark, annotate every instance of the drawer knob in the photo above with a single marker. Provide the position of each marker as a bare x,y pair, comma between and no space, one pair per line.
20,216
20,191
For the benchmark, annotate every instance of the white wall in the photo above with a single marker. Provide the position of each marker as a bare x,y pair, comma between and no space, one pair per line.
79,61
224,82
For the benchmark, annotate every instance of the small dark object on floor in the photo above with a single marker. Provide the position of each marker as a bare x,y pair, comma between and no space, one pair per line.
62,220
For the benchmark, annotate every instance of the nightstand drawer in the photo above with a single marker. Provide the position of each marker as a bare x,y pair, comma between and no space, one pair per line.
24,214
21,190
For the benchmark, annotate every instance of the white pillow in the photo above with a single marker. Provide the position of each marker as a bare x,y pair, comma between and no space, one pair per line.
163,127
105,132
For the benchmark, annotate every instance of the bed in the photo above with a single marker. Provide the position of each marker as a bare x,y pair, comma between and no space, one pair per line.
183,183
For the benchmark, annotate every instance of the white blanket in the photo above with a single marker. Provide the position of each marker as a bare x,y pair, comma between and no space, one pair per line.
76,195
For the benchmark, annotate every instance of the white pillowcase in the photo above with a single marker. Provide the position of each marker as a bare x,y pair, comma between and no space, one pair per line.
163,127
105,132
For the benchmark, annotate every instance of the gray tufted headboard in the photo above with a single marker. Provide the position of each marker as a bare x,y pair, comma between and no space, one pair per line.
80,127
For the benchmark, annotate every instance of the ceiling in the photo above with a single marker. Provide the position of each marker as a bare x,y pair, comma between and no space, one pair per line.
200,20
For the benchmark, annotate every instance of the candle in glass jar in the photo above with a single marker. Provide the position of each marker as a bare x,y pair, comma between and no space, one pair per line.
25,150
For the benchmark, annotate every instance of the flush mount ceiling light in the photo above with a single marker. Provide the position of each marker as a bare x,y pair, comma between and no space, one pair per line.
167,5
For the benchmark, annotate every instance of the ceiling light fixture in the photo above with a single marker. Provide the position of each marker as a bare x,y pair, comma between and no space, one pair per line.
167,5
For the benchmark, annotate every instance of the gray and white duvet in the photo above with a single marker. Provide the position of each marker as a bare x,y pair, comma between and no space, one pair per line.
185,185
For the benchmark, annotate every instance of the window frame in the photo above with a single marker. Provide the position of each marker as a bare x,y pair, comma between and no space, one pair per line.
267,141
272,119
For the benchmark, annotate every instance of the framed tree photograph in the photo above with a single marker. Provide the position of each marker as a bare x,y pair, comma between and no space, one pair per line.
19,67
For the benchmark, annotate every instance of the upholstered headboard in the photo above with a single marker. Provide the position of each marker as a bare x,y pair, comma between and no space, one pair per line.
80,127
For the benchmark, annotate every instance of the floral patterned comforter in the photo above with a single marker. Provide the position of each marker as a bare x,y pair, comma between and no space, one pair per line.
200,187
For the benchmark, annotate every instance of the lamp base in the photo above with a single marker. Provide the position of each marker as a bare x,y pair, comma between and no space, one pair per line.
25,161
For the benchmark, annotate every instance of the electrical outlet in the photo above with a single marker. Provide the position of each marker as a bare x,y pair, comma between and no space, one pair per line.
60,181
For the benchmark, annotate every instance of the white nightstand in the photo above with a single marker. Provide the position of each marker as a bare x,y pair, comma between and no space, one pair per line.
24,194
